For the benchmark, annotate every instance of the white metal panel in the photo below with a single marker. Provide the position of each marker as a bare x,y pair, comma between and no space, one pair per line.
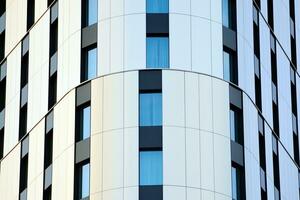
113,165
104,49
174,158
193,166
200,8
35,189
192,96
131,157
220,107
9,177
117,44
116,194
131,193
40,8
174,193
36,152
135,6
216,11
131,99
103,9
96,163
11,132
250,127
180,41
207,161
289,187
116,8
180,6
113,106
15,28
222,165
269,154
97,106
193,194
63,173
252,175
282,24
207,195
135,42
206,103
64,125
68,71
173,98
217,49
201,45
38,72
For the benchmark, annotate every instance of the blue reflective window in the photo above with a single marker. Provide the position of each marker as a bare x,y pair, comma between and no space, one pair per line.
234,183
157,6
85,123
232,125
92,12
225,13
151,168
226,66
157,52
85,181
151,109
92,63
228,13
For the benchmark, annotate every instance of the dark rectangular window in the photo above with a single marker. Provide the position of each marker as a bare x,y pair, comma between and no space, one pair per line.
236,124
53,37
89,12
237,183
23,122
52,90
89,63
229,14
83,116
2,45
82,180
47,193
270,14
50,2
2,7
30,13
48,149
157,52
2,92
230,66
258,92
1,142
157,6
276,167
23,179
24,70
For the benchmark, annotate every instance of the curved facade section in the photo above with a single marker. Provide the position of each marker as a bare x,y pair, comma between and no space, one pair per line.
149,99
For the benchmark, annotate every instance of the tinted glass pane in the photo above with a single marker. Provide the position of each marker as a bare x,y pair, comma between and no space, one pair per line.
157,52
157,6
151,168
92,63
232,126
151,109
85,184
234,183
226,65
225,11
86,120
92,12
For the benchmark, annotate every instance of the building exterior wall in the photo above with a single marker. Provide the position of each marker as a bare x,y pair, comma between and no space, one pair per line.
196,141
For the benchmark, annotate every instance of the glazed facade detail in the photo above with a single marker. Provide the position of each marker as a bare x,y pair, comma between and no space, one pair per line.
149,99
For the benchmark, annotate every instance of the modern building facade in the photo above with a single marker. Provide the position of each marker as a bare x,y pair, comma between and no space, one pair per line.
149,99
